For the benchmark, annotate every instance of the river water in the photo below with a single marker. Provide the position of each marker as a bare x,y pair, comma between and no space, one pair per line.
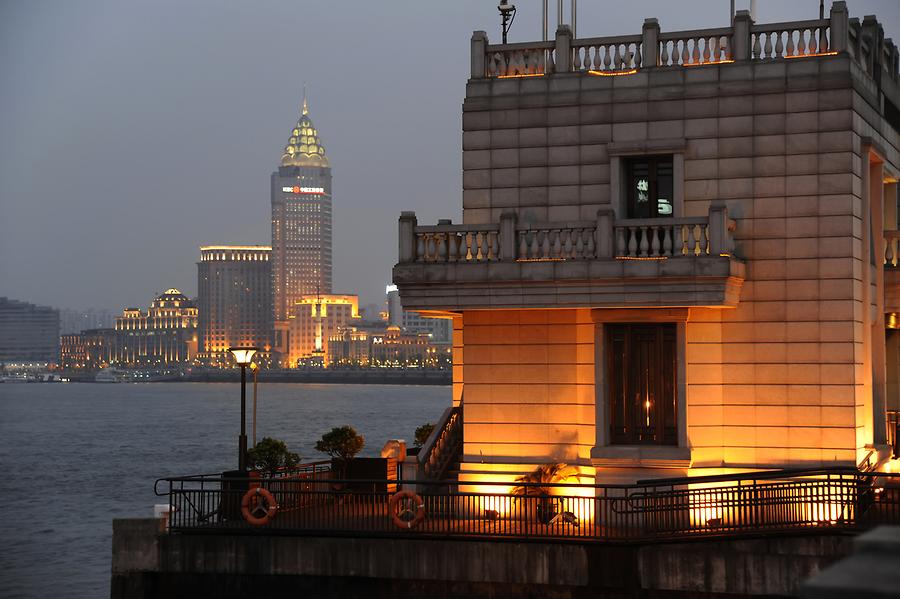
75,456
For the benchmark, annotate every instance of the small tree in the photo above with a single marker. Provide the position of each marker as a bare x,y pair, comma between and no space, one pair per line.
342,443
271,454
422,433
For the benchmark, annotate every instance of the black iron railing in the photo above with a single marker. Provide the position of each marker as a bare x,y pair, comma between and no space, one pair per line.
653,510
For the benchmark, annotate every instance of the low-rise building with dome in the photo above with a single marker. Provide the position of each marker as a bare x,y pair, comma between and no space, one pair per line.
164,335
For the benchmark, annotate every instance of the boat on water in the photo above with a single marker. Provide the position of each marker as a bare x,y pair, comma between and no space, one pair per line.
112,375
17,377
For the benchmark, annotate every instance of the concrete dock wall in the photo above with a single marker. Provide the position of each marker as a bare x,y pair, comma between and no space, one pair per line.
148,564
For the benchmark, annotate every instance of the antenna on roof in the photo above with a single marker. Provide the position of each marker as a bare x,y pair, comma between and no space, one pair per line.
305,109
821,9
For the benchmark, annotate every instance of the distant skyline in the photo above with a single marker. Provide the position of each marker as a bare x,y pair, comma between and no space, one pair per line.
133,132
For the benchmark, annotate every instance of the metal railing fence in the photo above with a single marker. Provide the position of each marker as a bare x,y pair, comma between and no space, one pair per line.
651,510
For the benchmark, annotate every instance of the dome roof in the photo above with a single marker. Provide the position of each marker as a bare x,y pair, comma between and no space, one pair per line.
304,147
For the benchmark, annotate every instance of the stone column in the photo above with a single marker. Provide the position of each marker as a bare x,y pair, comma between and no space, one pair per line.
740,40
718,229
508,236
563,49
605,233
650,44
407,237
840,26
479,48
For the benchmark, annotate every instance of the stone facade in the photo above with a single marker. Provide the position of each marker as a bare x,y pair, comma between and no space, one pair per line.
785,161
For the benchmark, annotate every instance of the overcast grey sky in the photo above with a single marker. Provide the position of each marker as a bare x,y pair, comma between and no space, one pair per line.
131,132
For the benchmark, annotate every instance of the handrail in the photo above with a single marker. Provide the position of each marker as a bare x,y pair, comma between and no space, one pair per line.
446,441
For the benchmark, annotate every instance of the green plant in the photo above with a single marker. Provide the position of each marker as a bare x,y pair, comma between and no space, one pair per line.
537,484
269,455
342,443
422,433
543,476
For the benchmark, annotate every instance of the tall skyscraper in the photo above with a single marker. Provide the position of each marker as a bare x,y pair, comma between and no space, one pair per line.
301,219
235,300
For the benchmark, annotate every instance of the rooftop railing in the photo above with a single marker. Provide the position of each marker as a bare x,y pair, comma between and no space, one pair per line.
687,508
744,41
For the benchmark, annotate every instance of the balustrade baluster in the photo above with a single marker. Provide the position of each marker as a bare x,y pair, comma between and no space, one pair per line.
523,246
813,42
557,245
452,244
590,243
467,240
645,240
888,253
667,240
695,54
534,246
495,244
664,54
714,44
441,247
654,240
632,242
637,57
545,246
620,241
617,59
685,52
791,49
779,46
726,44
567,246
576,63
757,49
607,57
579,243
704,240
801,45
767,49
420,247
691,241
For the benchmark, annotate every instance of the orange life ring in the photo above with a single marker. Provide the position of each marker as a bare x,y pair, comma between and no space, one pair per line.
396,511
250,514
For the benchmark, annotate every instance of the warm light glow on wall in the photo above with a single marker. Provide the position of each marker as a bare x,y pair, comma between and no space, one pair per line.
612,73
703,64
520,76
812,55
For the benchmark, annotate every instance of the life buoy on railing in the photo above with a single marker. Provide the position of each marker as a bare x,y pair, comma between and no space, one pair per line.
258,515
402,505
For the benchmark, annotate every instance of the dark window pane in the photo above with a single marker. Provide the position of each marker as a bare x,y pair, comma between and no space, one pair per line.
650,187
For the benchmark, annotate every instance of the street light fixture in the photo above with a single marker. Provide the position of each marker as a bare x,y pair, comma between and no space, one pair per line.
507,15
243,356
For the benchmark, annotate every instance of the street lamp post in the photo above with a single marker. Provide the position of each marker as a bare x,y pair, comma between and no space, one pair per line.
255,368
243,356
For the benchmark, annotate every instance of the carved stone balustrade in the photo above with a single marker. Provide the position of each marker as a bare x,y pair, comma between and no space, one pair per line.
744,41
892,272
601,263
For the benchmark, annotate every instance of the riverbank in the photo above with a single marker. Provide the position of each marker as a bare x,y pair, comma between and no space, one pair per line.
373,376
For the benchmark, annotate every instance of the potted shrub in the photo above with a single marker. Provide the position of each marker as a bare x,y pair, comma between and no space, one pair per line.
271,455
537,484
342,443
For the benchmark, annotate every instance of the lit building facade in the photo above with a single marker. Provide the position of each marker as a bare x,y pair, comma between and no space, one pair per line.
672,256
164,335
29,334
389,347
235,301
314,319
301,219
91,349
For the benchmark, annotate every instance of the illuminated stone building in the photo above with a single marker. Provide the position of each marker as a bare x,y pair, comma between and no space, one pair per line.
235,301
301,218
313,320
29,334
164,335
387,348
91,349
672,252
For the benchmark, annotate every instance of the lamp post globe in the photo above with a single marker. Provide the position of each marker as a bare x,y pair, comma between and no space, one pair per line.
507,14
242,357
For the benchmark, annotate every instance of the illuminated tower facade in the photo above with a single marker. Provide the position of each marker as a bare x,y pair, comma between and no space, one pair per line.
301,219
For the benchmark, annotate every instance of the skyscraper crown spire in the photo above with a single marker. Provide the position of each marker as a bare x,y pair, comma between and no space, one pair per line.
304,147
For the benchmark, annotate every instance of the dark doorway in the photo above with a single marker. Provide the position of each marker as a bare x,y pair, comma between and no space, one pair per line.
641,366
